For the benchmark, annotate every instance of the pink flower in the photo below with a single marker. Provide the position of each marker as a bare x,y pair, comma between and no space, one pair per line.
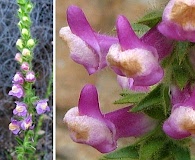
18,78
133,58
181,123
25,66
42,106
88,125
14,126
18,57
26,123
21,109
30,76
87,47
17,91
178,20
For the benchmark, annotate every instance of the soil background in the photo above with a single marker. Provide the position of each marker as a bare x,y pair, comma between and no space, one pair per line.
71,77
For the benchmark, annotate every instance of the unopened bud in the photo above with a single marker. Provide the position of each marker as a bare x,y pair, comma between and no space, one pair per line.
19,43
30,43
26,52
25,32
18,57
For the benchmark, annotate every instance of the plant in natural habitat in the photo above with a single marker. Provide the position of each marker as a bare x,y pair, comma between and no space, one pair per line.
153,60
31,89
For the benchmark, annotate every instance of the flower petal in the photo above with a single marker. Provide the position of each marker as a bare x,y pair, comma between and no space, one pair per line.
157,40
127,37
130,124
88,103
81,27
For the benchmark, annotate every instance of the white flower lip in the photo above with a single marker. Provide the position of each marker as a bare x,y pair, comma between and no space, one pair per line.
132,62
86,129
80,51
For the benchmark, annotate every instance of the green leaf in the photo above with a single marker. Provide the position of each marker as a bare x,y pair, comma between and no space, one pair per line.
153,98
165,92
155,112
151,19
130,98
19,141
130,152
181,74
151,148
181,153
140,29
182,48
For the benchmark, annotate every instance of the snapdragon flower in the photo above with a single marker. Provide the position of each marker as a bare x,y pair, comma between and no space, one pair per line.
21,109
181,123
17,91
30,76
42,106
27,123
25,66
87,47
14,126
89,126
178,20
18,78
133,58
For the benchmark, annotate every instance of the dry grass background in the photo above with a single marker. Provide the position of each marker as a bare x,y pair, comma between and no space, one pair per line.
71,77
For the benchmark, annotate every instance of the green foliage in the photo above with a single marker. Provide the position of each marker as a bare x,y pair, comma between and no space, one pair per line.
130,98
181,68
140,29
126,153
151,19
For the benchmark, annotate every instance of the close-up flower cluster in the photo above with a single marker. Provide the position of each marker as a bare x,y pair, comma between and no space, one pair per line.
156,73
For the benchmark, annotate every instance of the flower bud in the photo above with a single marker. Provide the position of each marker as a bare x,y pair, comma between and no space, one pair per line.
30,77
25,32
26,52
19,43
25,66
29,7
30,43
18,57
25,18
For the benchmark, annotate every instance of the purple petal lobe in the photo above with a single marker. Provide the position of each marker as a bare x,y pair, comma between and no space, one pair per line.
88,102
80,26
127,37
130,124
157,40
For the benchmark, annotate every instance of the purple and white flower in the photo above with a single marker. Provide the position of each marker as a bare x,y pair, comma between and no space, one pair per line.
86,122
14,126
26,123
25,66
181,123
18,78
133,58
30,76
21,109
87,47
42,106
178,20
17,91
